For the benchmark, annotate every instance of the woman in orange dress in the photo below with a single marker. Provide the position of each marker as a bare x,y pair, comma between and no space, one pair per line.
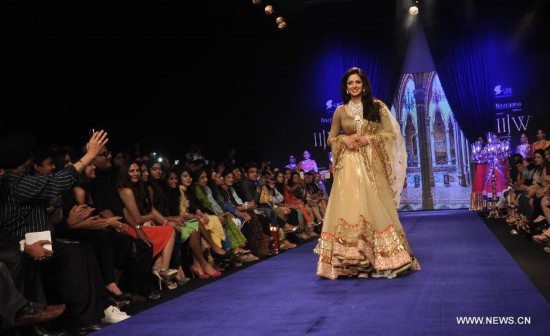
292,187
147,224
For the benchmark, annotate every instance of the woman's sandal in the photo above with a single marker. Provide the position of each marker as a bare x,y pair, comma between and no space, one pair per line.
541,239
245,258
241,252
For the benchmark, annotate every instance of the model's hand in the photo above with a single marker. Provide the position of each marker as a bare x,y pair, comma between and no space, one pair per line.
350,141
363,140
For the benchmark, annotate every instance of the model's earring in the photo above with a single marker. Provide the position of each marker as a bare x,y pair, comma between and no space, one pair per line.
347,92
364,91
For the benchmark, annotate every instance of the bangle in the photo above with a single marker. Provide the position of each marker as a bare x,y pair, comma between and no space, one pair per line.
83,165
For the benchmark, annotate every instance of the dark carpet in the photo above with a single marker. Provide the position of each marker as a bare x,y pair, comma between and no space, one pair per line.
529,255
467,273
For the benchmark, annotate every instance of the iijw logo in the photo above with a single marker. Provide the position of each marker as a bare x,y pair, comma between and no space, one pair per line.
520,123
320,139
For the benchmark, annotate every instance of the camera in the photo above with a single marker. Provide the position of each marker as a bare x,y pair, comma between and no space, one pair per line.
261,181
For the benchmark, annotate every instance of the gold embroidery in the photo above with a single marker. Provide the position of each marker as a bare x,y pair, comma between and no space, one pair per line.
357,248
338,147
380,150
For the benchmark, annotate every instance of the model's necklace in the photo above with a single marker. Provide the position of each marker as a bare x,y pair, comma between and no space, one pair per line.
355,111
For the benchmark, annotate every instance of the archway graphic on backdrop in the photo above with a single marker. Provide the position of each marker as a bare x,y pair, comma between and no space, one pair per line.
444,143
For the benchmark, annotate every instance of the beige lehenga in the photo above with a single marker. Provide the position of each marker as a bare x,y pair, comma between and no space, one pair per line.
362,235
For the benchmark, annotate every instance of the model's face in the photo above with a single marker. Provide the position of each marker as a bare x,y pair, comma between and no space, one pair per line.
186,179
134,173
354,85
540,135
172,180
292,159
306,155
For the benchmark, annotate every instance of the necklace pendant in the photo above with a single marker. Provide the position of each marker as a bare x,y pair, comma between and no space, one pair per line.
357,118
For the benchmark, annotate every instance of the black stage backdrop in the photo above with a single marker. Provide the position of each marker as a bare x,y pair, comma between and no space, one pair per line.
219,74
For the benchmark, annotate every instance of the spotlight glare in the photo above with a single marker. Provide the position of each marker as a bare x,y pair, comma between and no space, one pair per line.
256,2
413,10
281,25
268,9
279,19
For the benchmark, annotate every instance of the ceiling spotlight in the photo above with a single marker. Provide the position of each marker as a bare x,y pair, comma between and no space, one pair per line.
279,19
281,25
256,2
413,10
268,9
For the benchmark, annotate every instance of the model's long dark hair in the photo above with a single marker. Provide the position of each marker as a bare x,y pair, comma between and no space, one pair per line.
371,110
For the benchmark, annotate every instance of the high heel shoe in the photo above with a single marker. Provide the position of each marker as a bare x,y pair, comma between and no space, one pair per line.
216,274
120,300
225,256
197,274
165,277
167,283
183,281
120,297
541,239
166,273
289,228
